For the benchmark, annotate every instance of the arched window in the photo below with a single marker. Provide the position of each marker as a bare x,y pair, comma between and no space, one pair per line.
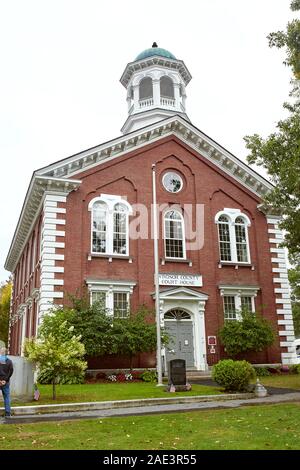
166,87
241,240
146,88
120,229
99,224
174,235
233,236
110,225
177,314
224,238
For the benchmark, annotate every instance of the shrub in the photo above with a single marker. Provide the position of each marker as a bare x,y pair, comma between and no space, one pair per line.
294,369
45,377
262,372
274,370
252,333
233,375
149,376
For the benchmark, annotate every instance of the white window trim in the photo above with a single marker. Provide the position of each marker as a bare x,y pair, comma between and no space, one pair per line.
109,287
232,215
183,235
237,293
110,200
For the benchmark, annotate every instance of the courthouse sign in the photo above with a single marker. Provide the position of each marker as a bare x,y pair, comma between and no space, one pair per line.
179,279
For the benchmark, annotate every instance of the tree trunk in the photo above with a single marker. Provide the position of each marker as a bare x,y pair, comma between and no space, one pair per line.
131,363
53,390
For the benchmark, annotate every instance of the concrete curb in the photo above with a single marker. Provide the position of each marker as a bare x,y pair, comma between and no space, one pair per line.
108,405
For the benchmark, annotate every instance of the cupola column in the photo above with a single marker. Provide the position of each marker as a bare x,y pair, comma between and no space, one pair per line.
177,95
156,92
136,97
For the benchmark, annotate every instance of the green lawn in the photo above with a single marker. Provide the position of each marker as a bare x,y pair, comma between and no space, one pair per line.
130,391
112,391
282,381
253,427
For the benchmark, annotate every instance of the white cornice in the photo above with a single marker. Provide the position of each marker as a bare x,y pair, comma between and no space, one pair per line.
142,64
174,125
39,185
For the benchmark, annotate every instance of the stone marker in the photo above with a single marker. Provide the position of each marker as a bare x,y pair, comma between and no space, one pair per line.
177,376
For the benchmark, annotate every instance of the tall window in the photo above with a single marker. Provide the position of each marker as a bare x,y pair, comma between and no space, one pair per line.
241,240
120,229
110,225
233,236
121,304
229,307
224,238
174,235
99,244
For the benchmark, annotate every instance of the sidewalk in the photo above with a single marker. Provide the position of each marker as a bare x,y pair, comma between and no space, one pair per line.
153,409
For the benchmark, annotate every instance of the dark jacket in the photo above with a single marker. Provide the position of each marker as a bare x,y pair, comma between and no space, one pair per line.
6,370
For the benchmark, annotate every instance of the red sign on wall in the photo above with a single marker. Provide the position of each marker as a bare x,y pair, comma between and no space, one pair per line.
212,340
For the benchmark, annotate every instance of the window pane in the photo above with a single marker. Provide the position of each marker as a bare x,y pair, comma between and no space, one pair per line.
121,307
120,233
166,87
99,227
246,303
241,243
174,235
224,239
146,89
99,297
229,307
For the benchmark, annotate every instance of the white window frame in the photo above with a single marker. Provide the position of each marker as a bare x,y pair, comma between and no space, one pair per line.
110,288
232,215
238,293
111,201
183,234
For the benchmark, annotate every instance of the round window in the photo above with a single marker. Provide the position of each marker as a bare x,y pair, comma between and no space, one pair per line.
172,182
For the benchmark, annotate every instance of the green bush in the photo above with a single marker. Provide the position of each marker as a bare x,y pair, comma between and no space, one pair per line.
234,376
149,376
262,372
45,378
252,332
294,369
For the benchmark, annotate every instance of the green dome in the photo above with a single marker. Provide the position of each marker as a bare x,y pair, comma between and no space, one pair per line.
154,50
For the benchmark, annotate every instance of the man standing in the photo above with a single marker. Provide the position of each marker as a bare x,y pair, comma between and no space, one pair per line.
6,371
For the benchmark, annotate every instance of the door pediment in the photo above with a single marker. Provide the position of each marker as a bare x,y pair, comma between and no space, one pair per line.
181,293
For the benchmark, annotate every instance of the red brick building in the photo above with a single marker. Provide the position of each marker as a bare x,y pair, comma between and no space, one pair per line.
87,221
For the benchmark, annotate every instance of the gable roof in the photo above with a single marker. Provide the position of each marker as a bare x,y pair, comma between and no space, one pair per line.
175,125
61,173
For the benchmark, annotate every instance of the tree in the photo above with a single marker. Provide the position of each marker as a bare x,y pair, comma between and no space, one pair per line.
95,326
294,278
252,333
5,295
56,350
279,153
135,334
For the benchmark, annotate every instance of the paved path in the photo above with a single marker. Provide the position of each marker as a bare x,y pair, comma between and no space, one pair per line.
273,399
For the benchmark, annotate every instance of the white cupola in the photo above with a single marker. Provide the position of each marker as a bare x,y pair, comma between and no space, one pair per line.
155,82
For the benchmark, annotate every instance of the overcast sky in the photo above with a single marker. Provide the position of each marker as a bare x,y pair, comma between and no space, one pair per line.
61,61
